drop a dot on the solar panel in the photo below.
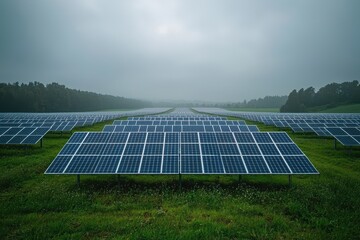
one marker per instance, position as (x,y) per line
(82,164)
(186,153)
(213,164)
(22,135)
(191,164)
(151,164)
(256,164)
(210,149)
(268,149)
(129,164)
(134,149)
(346,136)
(277,164)
(170,164)
(107,164)
(153,149)
(234,165)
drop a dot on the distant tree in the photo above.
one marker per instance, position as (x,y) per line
(293,103)
(331,95)
(35,97)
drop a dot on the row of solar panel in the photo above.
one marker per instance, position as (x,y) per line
(185,128)
(226,153)
(300,128)
(177,123)
(311,121)
(237,153)
(184,137)
(291,117)
(346,136)
(344,127)
(22,135)
(312,125)
(177,118)
(41,124)
(172,164)
(54,126)
(183,149)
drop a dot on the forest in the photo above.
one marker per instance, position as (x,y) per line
(331,95)
(265,102)
(37,97)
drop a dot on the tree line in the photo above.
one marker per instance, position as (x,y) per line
(37,97)
(265,102)
(331,95)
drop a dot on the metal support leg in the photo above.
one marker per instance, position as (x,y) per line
(118,178)
(78,180)
(180,183)
(335,143)
(41,143)
(240,177)
(290,181)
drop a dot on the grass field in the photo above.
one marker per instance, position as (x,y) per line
(38,206)
(352,108)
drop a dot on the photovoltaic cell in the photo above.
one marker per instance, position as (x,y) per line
(233,164)
(300,164)
(262,137)
(210,149)
(277,164)
(244,138)
(129,164)
(82,164)
(153,149)
(212,164)
(58,164)
(170,164)
(69,149)
(190,149)
(249,149)
(77,137)
(255,164)
(289,149)
(228,149)
(107,164)
(134,149)
(191,164)
(113,149)
(151,164)
(268,149)
(171,149)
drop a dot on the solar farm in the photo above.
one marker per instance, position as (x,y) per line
(202,173)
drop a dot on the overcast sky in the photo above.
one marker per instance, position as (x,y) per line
(183,49)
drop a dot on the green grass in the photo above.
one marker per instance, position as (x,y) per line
(351,108)
(38,206)
(254,109)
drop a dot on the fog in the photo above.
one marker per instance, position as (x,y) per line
(181,50)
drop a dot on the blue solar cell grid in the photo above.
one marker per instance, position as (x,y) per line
(187,152)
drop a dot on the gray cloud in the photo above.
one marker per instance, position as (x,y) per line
(193,50)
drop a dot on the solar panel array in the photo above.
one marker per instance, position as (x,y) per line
(318,123)
(180,128)
(29,128)
(176,122)
(346,136)
(22,135)
(185,153)
(67,121)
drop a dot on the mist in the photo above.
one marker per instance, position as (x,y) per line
(180,50)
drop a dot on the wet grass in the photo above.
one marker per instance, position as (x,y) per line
(38,206)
